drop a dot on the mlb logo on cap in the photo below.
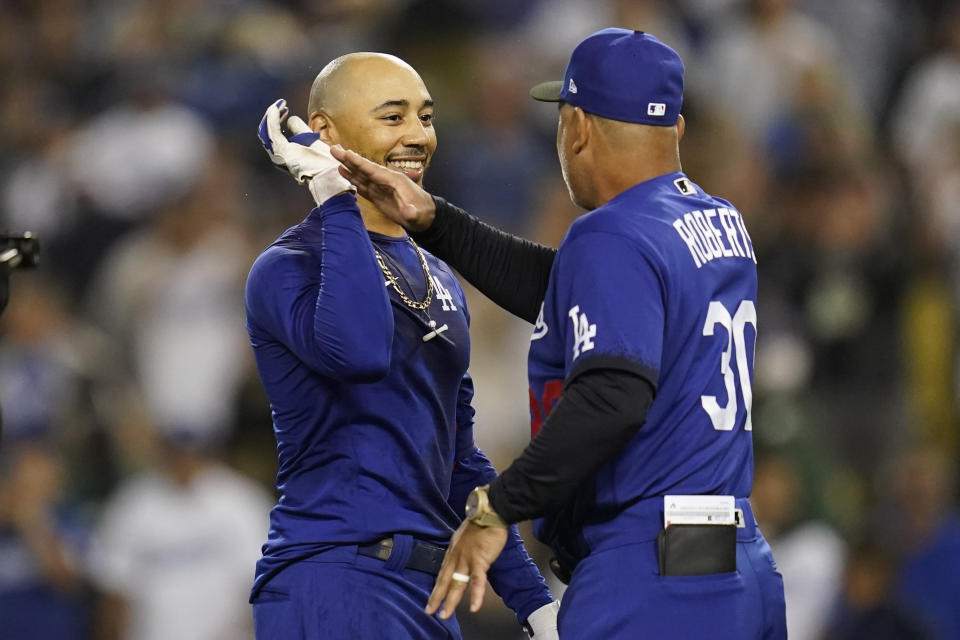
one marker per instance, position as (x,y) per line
(622,75)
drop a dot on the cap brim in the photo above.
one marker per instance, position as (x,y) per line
(547,91)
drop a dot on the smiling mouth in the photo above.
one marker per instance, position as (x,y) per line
(413,169)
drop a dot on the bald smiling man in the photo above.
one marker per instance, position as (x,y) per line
(361,340)
(377,106)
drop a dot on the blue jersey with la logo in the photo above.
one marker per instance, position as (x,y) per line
(661,281)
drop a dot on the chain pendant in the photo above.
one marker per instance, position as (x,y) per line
(392,282)
(435,330)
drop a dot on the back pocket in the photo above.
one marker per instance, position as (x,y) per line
(276,616)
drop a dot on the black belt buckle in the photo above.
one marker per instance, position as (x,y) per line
(697,549)
(424,557)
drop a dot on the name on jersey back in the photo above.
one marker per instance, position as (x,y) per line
(707,241)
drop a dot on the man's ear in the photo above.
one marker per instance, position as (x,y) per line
(582,130)
(681,127)
(322,124)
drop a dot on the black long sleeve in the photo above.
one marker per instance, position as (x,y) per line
(510,270)
(598,413)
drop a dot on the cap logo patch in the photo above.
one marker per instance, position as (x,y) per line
(572,88)
(656,109)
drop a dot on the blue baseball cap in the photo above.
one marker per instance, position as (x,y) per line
(622,75)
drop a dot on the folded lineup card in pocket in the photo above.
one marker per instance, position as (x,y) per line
(697,549)
(682,509)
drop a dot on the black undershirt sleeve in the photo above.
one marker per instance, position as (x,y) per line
(599,412)
(510,270)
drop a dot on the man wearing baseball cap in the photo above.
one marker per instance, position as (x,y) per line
(640,368)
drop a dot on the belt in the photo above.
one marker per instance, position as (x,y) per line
(424,557)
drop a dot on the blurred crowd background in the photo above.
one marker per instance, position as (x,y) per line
(137,454)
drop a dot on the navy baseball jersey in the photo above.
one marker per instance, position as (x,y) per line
(660,281)
(374,423)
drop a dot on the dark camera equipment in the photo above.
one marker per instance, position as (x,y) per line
(16,252)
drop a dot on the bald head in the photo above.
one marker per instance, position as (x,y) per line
(377,105)
(344,79)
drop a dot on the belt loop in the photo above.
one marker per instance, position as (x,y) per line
(402,546)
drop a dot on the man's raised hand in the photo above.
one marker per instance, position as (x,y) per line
(304,156)
(394,194)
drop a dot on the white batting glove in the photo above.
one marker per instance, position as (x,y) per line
(304,155)
(542,623)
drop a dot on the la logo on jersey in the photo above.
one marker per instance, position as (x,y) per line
(443,295)
(583,332)
(540,329)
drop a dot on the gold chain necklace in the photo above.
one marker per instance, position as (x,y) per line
(392,279)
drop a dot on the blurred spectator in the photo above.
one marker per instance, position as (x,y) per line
(139,154)
(37,195)
(926,526)
(171,294)
(490,162)
(173,550)
(818,127)
(809,553)
(42,594)
(926,135)
(56,371)
(868,610)
(871,37)
(44,359)
(755,61)
(557,25)
(929,103)
(831,290)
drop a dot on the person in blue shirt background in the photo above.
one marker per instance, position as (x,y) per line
(640,368)
(44,593)
(361,341)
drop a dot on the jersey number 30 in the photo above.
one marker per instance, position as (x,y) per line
(725,418)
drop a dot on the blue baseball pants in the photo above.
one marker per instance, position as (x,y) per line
(617,594)
(340,595)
